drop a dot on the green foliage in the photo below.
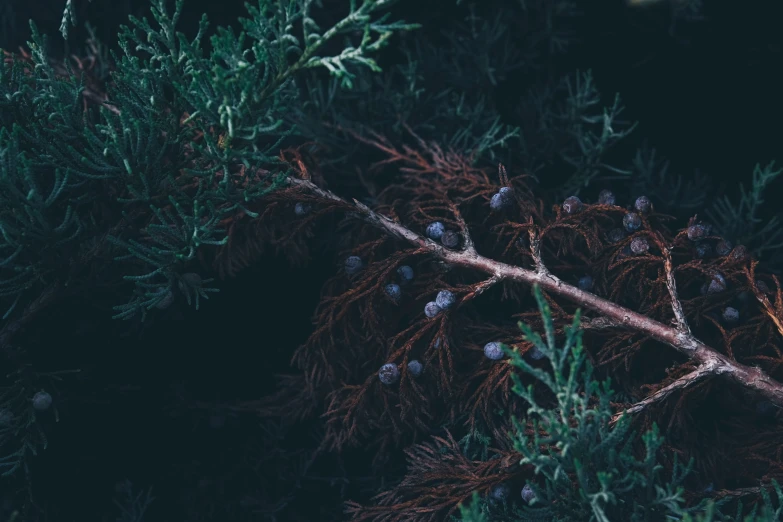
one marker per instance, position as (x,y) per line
(131,182)
(586,468)
(167,193)
(741,221)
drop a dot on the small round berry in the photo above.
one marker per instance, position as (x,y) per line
(606,197)
(301,209)
(388,374)
(431,309)
(505,191)
(762,286)
(730,315)
(445,299)
(703,250)
(353,264)
(406,274)
(739,253)
(723,248)
(643,204)
(450,239)
(528,495)
(393,291)
(493,351)
(498,202)
(697,232)
(585,283)
(42,401)
(572,205)
(716,284)
(639,245)
(616,235)
(499,492)
(435,230)
(536,354)
(632,222)
(415,367)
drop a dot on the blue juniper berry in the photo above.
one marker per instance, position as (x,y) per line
(586,283)
(639,245)
(435,230)
(450,239)
(499,493)
(42,401)
(716,284)
(493,351)
(445,299)
(388,374)
(528,495)
(632,222)
(406,274)
(643,204)
(697,232)
(730,315)
(498,202)
(353,264)
(301,209)
(606,197)
(723,248)
(415,368)
(739,253)
(762,286)
(393,291)
(431,309)
(572,205)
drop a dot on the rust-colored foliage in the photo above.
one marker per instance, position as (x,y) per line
(357,329)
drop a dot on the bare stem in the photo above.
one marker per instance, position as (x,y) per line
(703,355)
(700,373)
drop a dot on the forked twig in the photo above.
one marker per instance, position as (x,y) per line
(708,360)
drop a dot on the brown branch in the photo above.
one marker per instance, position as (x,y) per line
(700,373)
(703,355)
(671,285)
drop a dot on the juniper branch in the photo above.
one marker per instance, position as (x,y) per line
(704,356)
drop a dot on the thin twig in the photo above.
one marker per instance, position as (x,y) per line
(703,355)
(699,374)
(671,285)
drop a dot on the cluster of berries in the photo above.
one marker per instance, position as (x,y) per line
(500,493)
(494,351)
(501,200)
(437,231)
(700,232)
(444,300)
(632,220)
(390,373)
(394,290)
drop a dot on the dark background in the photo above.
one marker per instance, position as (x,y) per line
(706,95)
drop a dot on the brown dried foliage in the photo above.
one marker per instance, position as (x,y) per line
(358,329)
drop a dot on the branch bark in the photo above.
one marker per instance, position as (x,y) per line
(706,358)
